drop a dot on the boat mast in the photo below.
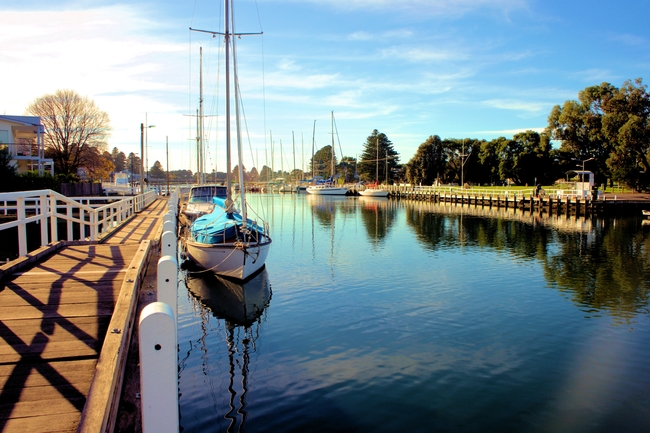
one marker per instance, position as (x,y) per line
(240,155)
(377,165)
(313,141)
(201,155)
(333,157)
(226,40)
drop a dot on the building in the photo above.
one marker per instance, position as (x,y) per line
(24,137)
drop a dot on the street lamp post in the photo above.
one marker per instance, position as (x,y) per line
(141,159)
(146,145)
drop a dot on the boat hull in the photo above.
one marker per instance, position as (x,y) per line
(320,190)
(374,192)
(232,260)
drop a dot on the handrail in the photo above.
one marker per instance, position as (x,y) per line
(47,208)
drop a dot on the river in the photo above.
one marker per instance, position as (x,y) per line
(377,315)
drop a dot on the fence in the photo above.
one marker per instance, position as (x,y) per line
(85,218)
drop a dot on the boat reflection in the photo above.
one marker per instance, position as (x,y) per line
(238,304)
(241,306)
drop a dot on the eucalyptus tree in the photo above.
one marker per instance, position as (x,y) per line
(378,155)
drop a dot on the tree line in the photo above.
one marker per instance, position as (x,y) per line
(606,131)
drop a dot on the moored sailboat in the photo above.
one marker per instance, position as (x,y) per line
(328,187)
(226,241)
(374,190)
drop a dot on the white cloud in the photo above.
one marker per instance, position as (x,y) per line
(425,7)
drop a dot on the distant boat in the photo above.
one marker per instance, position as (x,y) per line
(200,198)
(225,241)
(329,187)
(374,190)
(646,213)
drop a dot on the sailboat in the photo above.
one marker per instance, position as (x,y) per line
(374,191)
(226,241)
(328,187)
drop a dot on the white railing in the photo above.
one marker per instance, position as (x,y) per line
(93,216)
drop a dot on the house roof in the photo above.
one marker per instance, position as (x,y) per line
(32,123)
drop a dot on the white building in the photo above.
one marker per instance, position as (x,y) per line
(24,137)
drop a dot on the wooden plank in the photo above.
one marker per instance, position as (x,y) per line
(78,373)
(65,422)
(101,407)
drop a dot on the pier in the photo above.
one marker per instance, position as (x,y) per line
(67,313)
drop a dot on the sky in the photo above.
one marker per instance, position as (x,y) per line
(408,68)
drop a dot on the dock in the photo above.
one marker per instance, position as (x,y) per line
(66,315)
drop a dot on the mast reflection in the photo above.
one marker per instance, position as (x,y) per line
(241,306)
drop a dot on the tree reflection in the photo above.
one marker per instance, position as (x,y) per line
(378,216)
(602,265)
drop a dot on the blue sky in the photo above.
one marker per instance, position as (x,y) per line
(409,68)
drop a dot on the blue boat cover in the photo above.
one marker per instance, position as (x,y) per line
(216,227)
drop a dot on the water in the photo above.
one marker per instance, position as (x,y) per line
(382,316)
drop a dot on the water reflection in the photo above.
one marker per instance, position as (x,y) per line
(600,264)
(241,306)
(378,215)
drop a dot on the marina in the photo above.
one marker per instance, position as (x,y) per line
(371,314)
(387,315)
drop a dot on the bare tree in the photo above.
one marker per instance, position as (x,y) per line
(75,129)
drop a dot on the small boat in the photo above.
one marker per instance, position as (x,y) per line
(374,190)
(646,213)
(225,241)
(200,198)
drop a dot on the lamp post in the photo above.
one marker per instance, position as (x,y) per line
(141,159)
(146,144)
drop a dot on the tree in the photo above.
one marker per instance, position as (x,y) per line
(578,124)
(100,166)
(119,159)
(626,125)
(7,170)
(133,162)
(253,175)
(157,171)
(321,162)
(378,148)
(74,126)
(428,164)
(266,174)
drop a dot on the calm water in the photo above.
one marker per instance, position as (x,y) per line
(387,316)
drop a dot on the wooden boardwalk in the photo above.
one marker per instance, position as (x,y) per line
(54,319)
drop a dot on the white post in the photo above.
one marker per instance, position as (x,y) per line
(43,221)
(168,244)
(158,369)
(168,281)
(169,226)
(22,228)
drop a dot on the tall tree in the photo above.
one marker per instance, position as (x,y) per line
(157,171)
(626,125)
(322,162)
(428,164)
(119,159)
(378,148)
(74,126)
(100,166)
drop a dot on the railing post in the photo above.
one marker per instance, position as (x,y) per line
(43,221)
(22,229)
(158,369)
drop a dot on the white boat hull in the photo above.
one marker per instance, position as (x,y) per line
(326,190)
(370,192)
(232,260)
